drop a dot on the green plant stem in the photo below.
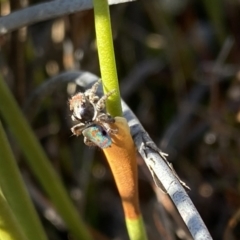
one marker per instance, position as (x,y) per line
(136,229)
(39,163)
(106,55)
(13,188)
(10,229)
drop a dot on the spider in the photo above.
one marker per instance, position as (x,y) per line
(93,121)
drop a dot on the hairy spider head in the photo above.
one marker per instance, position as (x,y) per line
(83,110)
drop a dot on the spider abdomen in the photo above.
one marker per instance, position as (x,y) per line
(98,136)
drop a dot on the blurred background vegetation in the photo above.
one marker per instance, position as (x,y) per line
(178,65)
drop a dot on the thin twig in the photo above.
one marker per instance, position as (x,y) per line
(45,11)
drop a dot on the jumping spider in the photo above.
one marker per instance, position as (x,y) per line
(93,121)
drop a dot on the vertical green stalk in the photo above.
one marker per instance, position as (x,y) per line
(106,56)
(38,162)
(15,193)
(10,229)
(136,229)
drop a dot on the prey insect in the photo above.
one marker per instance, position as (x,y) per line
(93,122)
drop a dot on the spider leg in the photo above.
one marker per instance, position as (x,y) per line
(105,117)
(100,106)
(108,128)
(91,93)
(78,128)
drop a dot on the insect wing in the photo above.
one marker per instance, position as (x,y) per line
(98,136)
